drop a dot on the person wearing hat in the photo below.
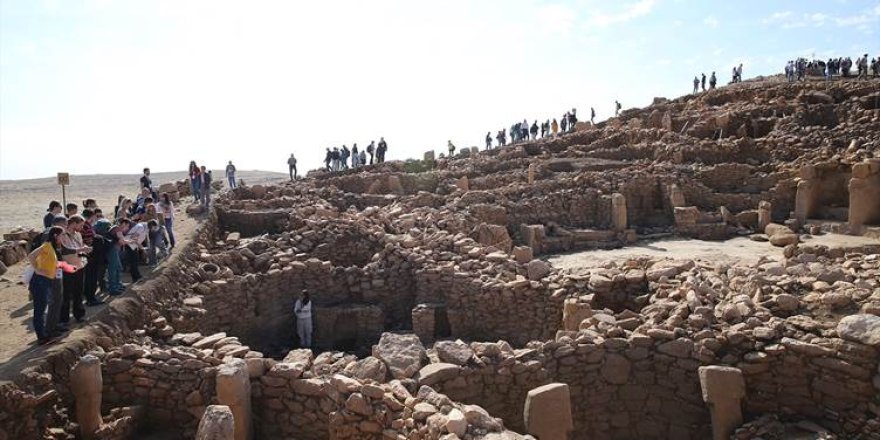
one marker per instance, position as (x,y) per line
(303,310)
(55,209)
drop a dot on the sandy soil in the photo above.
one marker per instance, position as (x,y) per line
(738,250)
(24,202)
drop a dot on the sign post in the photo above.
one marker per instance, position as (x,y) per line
(64,180)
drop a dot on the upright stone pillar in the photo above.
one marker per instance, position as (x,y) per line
(234,391)
(805,197)
(764,214)
(723,389)
(676,197)
(531,174)
(217,423)
(803,202)
(574,312)
(618,212)
(864,195)
(429,156)
(86,384)
(548,412)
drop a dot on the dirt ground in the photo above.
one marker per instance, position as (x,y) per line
(24,203)
(739,250)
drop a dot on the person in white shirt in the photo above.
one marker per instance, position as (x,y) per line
(134,240)
(303,310)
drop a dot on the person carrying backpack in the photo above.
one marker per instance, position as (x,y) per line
(370,150)
(451,148)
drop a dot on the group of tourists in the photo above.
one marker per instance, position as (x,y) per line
(338,159)
(523,131)
(83,252)
(797,70)
(200,180)
(713,80)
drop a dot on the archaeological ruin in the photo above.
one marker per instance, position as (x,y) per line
(438,315)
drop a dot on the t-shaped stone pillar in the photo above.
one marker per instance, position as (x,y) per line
(234,390)
(548,412)
(676,197)
(764,214)
(618,212)
(217,423)
(723,388)
(86,383)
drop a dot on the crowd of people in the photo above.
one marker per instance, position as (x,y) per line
(797,70)
(338,159)
(82,253)
(713,80)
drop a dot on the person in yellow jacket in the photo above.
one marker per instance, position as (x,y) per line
(44,260)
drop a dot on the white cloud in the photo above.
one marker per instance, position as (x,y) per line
(636,10)
(789,20)
(711,21)
(559,19)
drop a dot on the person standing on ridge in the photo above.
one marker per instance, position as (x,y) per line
(534,130)
(696,85)
(703,81)
(451,148)
(572,119)
(355,157)
(230,174)
(616,107)
(488,140)
(592,116)
(381,149)
(371,149)
(712,81)
(291,164)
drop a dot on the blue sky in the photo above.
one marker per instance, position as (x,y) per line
(99,86)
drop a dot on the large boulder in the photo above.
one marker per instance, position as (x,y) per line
(456,352)
(367,368)
(403,354)
(860,328)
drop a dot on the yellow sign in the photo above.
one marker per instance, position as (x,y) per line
(63,179)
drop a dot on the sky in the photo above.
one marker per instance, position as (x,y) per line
(100,86)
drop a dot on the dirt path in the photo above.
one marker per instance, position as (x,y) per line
(17,338)
(739,250)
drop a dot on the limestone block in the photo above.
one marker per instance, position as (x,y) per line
(804,201)
(523,254)
(548,412)
(573,312)
(618,212)
(531,173)
(434,373)
(394,186)
(676,197)
(764,211)
(860,328)
(234,391)
(86,384)
(463,183)
(217,423)
(429,156)
(404,355)
(723,388)
(686,216)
